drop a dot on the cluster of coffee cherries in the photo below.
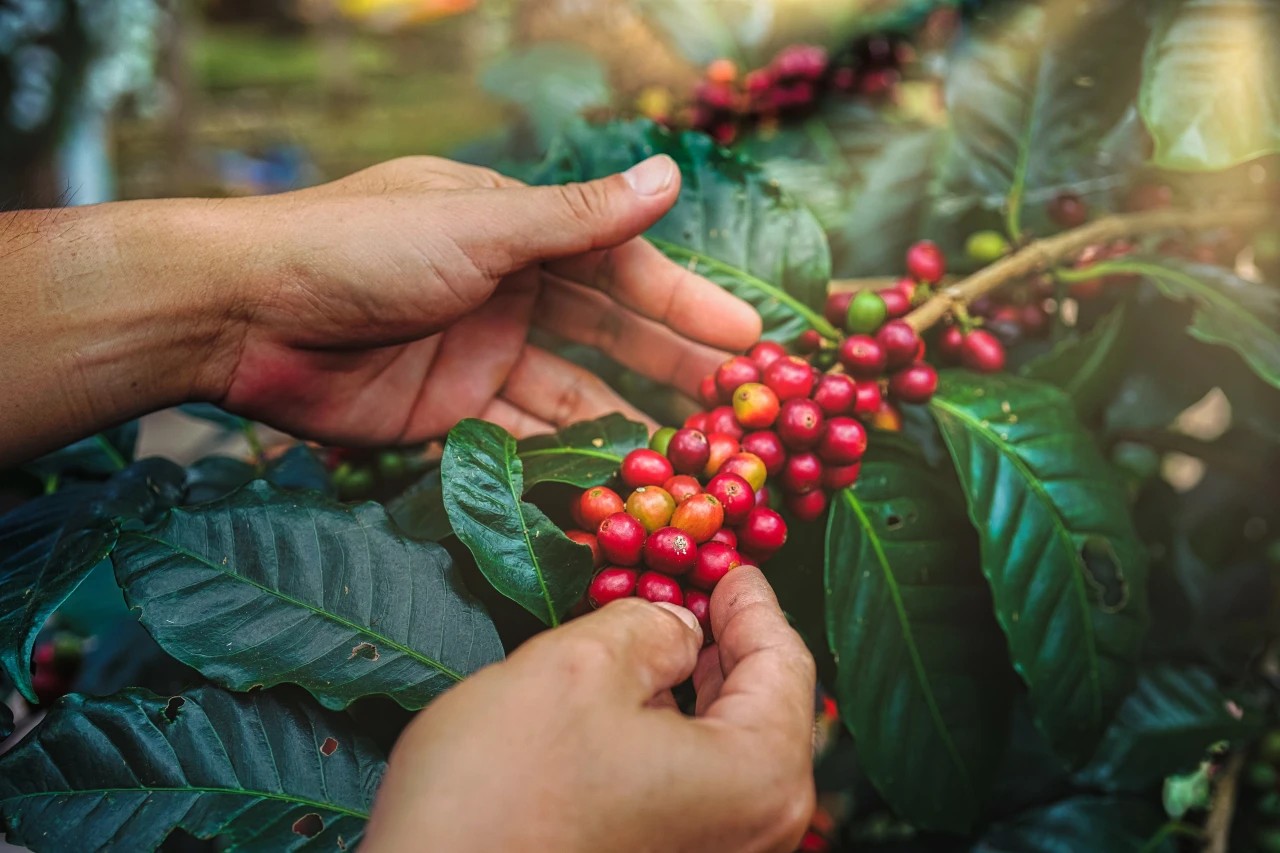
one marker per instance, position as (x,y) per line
(55,662)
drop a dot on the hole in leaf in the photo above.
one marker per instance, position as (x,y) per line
(368,651)
(893,521)
(1104,574)
(329,747)
(342,843)
(172,707)
(309,825)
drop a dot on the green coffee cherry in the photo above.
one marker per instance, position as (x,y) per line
(391,464)
(867,312)
(986,246)
(662,439)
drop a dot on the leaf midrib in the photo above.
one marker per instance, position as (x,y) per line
(194,789)
(511,453)
(569,451)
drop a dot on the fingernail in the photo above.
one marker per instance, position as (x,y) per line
(651,176)
(683,614)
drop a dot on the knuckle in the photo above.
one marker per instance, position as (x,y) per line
(569,400)
(584,202)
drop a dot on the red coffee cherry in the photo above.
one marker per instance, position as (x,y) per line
(899,342)
(868,399)
(722,447)
(722,420)
(896,302)
(950,344)
(766,353)
(790,378)
(688,451)
(651,506)
(610,585)
(837,308)
(748,466)
(1034,320)
(655,586)
(768,447)
(763,496)
(887,418)
(808,506)
(621,539)
(836,477)
(803,473)
(714,562)
(835,393)
(699,604)
(735,494)
(908,286)
(800,424)
(1068,210)
(738,370)
(681,487)
(763,533)
(594,506)
(843,443)
(808,341)
(862,357)
(982,352)
(645,467)
(696,421)
(755,405)
(925,262)
(670,551)
(700,516)
(725,536)
(582,537)
(914,384)
(709,392)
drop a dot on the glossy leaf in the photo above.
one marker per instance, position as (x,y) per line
(98,455)
(551,83)
(521,552)
(922,682)
(419,510)
(1082,823)
(1088,367)
(214,477)
(1206,96)
(730,224)
(267,587)
(1065,565)
(266,771)
(584,454)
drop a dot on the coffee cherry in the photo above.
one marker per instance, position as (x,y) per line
(899,342)
(866,312)
(696,421)
(655,586)
(887,418)
(836,477)
(908,286)
(645,467)
(763,496)
(1034,321)
(1149,197)
(896,302)
(843,443)
(689,451)
(867,399)
(671,551)
(763,533)
(582,537)
(808,506)
(755,405)
(610,585)
(837,308)
(722,447)
(914,384)
(951,344)
(594,506)
(835,394)
(789,378)
(661,440)
(621,537)
(800,424)
(768,447)
(709,392)
(1068,210)
(862,357)
(651,506)
(681,487)
(725,536)
(803,473)
(925,262)
(700,516)
(766,353)
(738,370)
(735,494)
(722,419)
(723,71)
(808,341)
(986,246)
(699,604)
(714,562)
(982,352)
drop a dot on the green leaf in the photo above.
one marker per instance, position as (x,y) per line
(419,510)
(99,455)
(730,223)
(583,454)
(922,682)
(1088,367)
(266,587)
(1165,727)
(552,83)
(215,477)
(1078,824)
(266,771)
(1066,567)
(1206,95)
(51,544)
(521,552)
(6,721)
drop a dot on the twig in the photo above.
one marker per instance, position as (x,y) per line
(1217,829)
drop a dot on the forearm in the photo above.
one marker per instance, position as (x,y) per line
(109,312)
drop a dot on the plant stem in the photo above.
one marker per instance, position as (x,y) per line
(1042,255)
(1217,828)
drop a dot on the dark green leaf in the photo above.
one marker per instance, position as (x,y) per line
(584,454)
(1066,567)
(215,477)
(212,414)
(267,587)
(6,720)
(922,682)
(266,771)
(522,553)
(299,468)
(730,224)
(552,83)
(1079,824)
(1207,95)
(419,511)
(100,455)
(1088,367)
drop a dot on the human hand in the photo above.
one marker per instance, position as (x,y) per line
(574,744)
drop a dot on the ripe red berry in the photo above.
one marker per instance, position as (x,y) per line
(645,467)
(688,451)
(1068,210)
(763,533)
(651,506)
(837,308)
(725,536)
(1034,320)
(655,586)
(755,405)
(899,342)
(722,419)
(896,302)
(762,496)
(914,384)
(925,262)
(766,353)
(950,344)
(582,537)
(800,424)
(748,466)
(768,447)
(835,393)
(621,537)
(610,585)
(790,378)
(681,487)
(803,473)
(709,392)
(671,551)
(982,352)
(697,421)
(808,341)
(868,399)
(714,562)
(862,357)
(908,286)
(700,516)
(887,418)
(738,370)
(722,447)
(836,477)
(808,506)
(699,604)
(594,506)
(843,443)
(735,494)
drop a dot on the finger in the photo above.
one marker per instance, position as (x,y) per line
(665,700)
(640,277)
(515,421)
(708,678)
(589,317)
(560,392)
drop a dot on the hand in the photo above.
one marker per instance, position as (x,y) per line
(573,743)
(399,300)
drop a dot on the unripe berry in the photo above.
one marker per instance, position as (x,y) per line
(837,308)
(836,477)
(835,393)
(899,342)
(582,537)
(655,586)
(688,451)
(925,262)
(808,341)
(982,352)
(843,443)
(714,562)
(748,466)
(790,378)
(766,353)
(862,357)
(768,447)
(651,506)
(709,392)
(1068,210)
(594,506)
(671,551)
(986,246)
(866,312)
(661,440)
(611,584)
(725,536)
(808,506)
(800,424)
(803,473)
(763,533)
(681,487)
(755,405)
(696,421)
(621,537)
(699,604)
(738,370)
(887,418)
(722,447)
(735,494)
(914,384)
(896,302)
(951,344)
(700,516)
(722,419)
(868,399)
(645,467)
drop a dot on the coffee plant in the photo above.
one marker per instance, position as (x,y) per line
(1008,451)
